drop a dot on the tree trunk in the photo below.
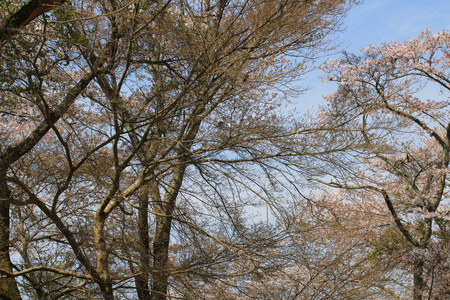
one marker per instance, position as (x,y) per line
(418,279)
(107,291)
(161,258)
(142,286)
(164,210)
(8,286)
(104,279)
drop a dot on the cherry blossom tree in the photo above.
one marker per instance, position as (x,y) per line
(126,124)
(25,121)
(391,106)
(327,250)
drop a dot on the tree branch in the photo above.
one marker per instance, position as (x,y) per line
(397,220)
(25,15)
(44,268)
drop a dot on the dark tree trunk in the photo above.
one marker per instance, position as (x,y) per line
(142,285)
(107,291)
(164,210)
(161,253)
(8,286)
(418,279)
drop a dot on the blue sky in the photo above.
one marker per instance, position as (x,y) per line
(377,21)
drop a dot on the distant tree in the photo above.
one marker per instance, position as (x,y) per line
(400,151)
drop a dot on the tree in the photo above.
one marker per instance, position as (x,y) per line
(115,108)
(15,146)
(400,152)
